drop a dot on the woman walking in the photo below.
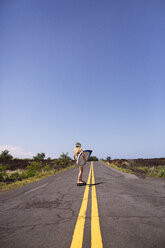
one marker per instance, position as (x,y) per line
(77,151)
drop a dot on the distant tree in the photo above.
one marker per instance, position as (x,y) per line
(39,156)
(64,156)
(93,158)
(108,158)
(5,155)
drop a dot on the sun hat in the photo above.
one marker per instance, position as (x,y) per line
(78,144)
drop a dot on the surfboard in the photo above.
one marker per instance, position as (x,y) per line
(87,154)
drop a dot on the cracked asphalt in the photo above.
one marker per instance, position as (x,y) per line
(43,214)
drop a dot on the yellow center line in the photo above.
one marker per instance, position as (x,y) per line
(77,239)
(96,239)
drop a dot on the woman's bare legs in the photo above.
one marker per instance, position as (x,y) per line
(80,174)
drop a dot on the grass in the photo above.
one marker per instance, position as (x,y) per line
(40,175)
(158,171)
(144,169)
(118,168)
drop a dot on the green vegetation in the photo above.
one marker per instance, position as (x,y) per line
(120,168)
(31,170)
(47,167)
(43,174)
(158,172)
(65,157)
(93,158)
(39,156)
(132,167)
(14,176)
(64,160)
(108,159)
(5,155)
(143,169)
(3,173)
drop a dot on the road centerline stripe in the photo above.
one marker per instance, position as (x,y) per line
(77,240)
(96,238)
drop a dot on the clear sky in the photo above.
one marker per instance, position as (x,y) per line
(89,71)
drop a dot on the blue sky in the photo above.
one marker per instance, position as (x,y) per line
(86,71)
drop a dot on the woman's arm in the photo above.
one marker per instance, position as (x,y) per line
(74,154)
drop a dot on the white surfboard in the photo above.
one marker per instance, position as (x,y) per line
(87,154)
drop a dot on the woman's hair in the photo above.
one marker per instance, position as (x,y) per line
(78,144)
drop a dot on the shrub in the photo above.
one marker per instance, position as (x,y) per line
(14,176)
(26,174)
(62,161)
(47,167)
(35,165)
(3,168)
(59,163)
(30,173)
(143,169)
(5,155)
(93,158)
(32,169)
(3,173)
(64,156)
(108,158)
(161,172)
(39,156)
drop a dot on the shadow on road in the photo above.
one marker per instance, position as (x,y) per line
(93,184)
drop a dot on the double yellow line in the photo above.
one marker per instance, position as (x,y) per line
(96,239)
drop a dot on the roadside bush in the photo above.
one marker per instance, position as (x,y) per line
(39,156)
(93,158)
(32,169)
(161,172)
(64,156)
(63,161)
(25,175)
(3,173)
(31,172)
(5,155)
(158,172)
(108,159)
(143,169)
(35,165)
(14,176)
(47,167)
(59,163)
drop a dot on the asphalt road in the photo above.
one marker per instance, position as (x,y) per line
(131,211)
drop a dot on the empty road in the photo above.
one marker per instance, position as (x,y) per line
(114,210)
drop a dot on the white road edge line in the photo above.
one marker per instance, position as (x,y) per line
(36,188)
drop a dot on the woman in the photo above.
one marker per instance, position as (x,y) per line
(77,151)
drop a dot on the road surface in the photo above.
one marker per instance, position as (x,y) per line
(115,209)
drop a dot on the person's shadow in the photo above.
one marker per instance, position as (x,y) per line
(94,184)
